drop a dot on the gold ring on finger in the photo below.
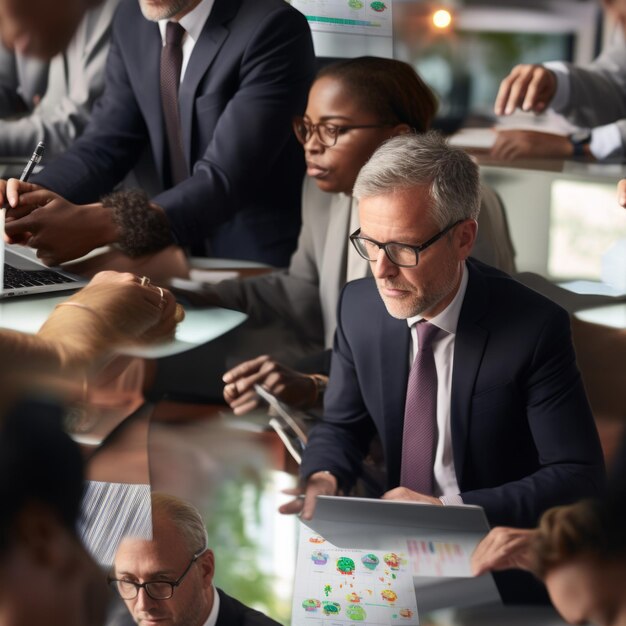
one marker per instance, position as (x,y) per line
(162,301)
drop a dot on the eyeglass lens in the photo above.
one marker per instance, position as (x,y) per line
(156,590)
(397,253)
(326,133)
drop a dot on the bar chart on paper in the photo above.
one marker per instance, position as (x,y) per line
(440,558)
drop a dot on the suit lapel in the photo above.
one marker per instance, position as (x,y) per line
(395,338)
(469,346)
(210,41)
(225,616)
(145,43)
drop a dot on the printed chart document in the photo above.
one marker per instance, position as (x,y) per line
(341,585)
(436,542)
(347,28)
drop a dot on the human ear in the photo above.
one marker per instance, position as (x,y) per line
(207,567)
(465,237)
(401,129)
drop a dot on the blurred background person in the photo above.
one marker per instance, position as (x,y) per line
(579,551)
(46,575)
(40,28)
(56,106)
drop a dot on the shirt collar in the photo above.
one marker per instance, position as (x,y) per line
(212,619)
(448,319)
(193,22)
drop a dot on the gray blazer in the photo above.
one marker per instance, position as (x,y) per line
(75,80)
(305,296)
(598,91)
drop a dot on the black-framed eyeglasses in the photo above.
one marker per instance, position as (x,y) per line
(157,589)
(327,133)
(400,254)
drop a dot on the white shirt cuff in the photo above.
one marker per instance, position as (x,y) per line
(606,141)
(561,96)
(453,500)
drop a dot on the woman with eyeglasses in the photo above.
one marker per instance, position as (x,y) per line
(353,107)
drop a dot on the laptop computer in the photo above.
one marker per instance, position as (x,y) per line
(22,274)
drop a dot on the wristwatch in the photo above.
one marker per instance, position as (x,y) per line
(580,141)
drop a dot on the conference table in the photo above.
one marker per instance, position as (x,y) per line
(200,325)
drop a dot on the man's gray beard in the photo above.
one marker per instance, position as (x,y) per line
(165,12)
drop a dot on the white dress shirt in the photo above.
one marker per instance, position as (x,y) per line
(215,609)
(193,23)
(445,483)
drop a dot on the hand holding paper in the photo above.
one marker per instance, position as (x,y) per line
(318,484)
(503,548)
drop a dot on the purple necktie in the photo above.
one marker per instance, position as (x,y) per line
(171,64)
(419,438)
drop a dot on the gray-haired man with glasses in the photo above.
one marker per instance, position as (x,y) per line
(468,377)
(169,579)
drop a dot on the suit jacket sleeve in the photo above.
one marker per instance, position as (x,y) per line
(598,90)
(569,457)
(252,131)
(341,440)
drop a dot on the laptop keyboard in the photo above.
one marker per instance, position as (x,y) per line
(15,278)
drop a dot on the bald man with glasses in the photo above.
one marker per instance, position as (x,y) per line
(169,580)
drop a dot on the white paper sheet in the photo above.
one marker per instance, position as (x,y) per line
(337,586)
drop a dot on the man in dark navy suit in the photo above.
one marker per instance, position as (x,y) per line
(490,410)
(228,165)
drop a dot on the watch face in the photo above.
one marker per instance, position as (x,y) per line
(580,137)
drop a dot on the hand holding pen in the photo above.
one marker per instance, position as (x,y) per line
(11,191)
(25,175)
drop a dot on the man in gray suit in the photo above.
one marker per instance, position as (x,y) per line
(58,114)
(592,97)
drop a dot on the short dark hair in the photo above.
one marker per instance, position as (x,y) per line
(390,89)
(39,464)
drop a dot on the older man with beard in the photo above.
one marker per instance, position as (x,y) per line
(210,87)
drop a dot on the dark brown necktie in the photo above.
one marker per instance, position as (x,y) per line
(171,63)
(419,438)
